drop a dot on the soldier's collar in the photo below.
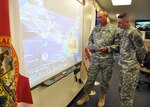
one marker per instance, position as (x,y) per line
(106,25)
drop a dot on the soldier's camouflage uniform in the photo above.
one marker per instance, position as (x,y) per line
(102,61)
(132,52)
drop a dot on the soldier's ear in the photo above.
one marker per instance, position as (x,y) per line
(128,21)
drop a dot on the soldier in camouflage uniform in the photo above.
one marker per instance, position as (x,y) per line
(103,37)
(132,52)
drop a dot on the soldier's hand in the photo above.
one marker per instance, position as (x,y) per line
(141,65)
(103,49)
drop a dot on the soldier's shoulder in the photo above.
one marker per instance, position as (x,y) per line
(113,29)
(112,26)
(136,35)
(96,27)
(136,32)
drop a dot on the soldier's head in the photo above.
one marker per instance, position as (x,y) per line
(123,20)
(102,17)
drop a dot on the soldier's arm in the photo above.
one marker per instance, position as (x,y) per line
(116,40)
(90,39)
(139,45)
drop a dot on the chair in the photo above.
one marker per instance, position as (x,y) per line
(146,81)
(145,71)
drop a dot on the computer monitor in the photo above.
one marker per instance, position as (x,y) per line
(142,25)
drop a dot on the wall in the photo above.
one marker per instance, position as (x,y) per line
(89,23)
(147,45)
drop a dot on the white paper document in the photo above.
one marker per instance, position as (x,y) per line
(93,47)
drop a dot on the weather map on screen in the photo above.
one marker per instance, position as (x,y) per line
(52,41)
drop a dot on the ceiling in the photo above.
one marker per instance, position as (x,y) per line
(138,10)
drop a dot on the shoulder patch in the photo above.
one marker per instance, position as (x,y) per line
(139,42)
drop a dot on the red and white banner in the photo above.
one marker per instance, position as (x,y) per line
(14,84)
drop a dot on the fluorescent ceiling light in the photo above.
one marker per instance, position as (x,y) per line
(121,2)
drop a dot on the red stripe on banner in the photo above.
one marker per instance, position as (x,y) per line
(4,18)
(87,54)
(23,90)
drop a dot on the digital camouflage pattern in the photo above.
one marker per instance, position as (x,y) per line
(102,61)
(105,36)
(132,52)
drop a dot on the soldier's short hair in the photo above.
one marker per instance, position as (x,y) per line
(105,12)
(124,15)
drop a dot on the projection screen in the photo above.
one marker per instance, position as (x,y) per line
(52,36)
